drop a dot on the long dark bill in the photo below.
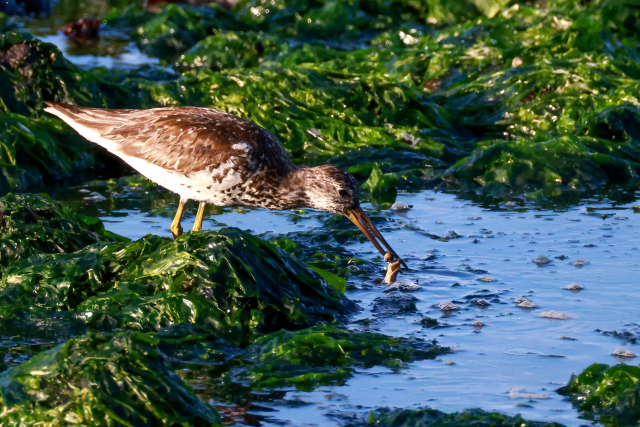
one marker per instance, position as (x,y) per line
(362,221)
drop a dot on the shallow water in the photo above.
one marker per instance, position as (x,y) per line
(113,49)
(516,361)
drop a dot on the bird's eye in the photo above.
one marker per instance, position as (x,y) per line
(343,193)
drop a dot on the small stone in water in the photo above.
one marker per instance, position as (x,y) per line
(525,303)
(623,352)
(402,285)
(447,306)
(553,314)
(83,190)
(511,204)
(400,206)
(573,287)
(95,197)
(480,302)
(477,324)
(450,363)
(579,263)
(542,260)
(486,279)
(520,393)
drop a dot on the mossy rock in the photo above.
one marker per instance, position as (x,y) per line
(325,355)
(608,394)
(431,417)
(32,72)
(97,380)
(226,280)
(34,224)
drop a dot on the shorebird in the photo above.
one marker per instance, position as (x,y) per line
(217,158)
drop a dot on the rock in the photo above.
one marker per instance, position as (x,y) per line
(400,206)
(520,393)
(97,377)
(477,324)
(623,352)
(573,287)
(554,315)
(486,279)
(447,306)
(402,285)
(481,302)
(525,303)
(579,263)
(542,260)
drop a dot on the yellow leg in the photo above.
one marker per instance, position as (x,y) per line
(197,226)
(176,228)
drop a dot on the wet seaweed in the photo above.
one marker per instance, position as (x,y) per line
(608,394)
(31,225)
(97,380)
(227,280)
(424,417)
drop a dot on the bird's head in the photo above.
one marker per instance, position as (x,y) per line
(331,189)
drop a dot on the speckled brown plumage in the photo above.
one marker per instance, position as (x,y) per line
(218,158)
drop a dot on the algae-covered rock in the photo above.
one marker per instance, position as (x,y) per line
(227,280)
(32,72)
(610,394)
(229,50)
(34,152)
(38,150)
(431,417)
(324,355)
(96,380)
(34,224)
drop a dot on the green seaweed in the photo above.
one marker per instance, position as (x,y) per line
(502,98)
(32,72)
(227,280)
(34,224)
(430,417)
(37,151)
(324,355)
(98,380)
(608,394)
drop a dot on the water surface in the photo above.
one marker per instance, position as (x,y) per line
(512,364)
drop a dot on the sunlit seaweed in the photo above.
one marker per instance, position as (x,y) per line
(608,394)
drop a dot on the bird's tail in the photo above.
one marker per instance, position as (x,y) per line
(91,123)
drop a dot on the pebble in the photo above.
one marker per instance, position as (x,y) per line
(477,324)
(95,197)
(579,263)
(83,190)
(447,306)
(573,287)
(520,393)
(511,204)
(623,352)
(525,303)
(553,314)
(402,285)
(486,279)
(450,363)
(399,206)
(481,302)
(542,260)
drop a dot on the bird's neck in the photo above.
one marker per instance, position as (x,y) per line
(291,192)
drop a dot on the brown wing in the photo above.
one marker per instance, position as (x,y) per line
(185,139)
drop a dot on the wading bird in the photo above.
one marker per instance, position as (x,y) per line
(218,158)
